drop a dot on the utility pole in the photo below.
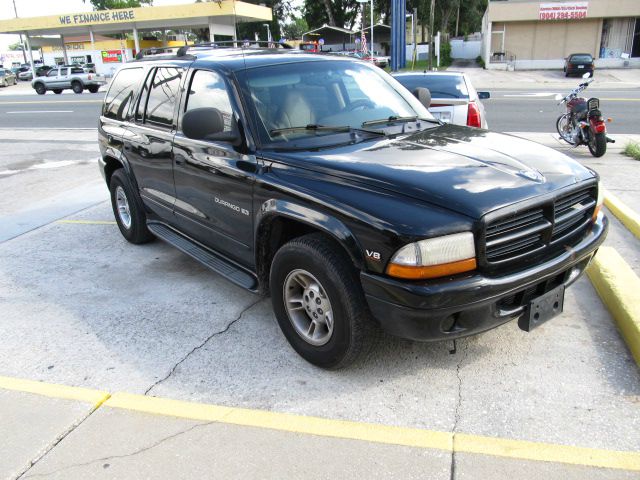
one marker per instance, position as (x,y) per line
(431,14)
(24,54)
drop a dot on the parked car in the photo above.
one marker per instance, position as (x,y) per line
(453,98)
(377,60)
(323,182)
(25,75)
(63,78)
(16,71)
(579,64)
(7,77)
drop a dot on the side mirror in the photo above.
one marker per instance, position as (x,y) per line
(484,95)
(208,124)
(424,95)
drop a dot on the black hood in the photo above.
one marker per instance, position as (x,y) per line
(471,171)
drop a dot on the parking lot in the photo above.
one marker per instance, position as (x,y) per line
(82,307)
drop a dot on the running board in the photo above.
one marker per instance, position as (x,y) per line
(205,256)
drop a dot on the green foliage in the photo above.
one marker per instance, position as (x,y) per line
(295,29)
(343,12)
(445,54)
(480,61)
(114,4)
(632,150)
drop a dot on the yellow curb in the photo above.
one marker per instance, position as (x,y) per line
(87,222)
(95,397)
(628,217)
(619,288)
(408,437)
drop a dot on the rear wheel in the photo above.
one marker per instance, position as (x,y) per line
(40,88)
(319,303)
(598,144)
(128,209)
(94,89)
(76,87)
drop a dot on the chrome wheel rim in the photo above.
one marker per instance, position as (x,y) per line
(308,307)
(123,207)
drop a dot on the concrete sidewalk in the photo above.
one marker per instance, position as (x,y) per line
(74,439)
(536,79)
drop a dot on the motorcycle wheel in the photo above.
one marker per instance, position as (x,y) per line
(598,144)
(563,127)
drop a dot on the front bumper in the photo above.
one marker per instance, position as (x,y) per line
(454,307)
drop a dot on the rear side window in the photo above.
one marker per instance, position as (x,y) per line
(208,89)
(77,70)
(440,86)
(121,93)
(163,96)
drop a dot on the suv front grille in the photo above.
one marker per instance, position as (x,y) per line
(522,233)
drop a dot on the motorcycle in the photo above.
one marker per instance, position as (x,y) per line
(583,123)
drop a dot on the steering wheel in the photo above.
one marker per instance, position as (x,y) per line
(362,103)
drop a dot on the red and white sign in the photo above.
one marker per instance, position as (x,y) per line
(563,11)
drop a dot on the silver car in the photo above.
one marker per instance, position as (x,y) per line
(453,98)
(7,77)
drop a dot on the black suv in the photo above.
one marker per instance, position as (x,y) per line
(325,183)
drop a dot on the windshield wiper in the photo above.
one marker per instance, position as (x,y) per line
(391,119)
(311,128)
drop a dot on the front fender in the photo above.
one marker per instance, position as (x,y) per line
(273,208)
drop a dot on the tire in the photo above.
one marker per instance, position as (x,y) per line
(57,91)
(76,87)
(598,144)
(94,89)
(343,325)
(128,209)
(560,122)
(40,88)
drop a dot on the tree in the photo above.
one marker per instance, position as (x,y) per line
(337,13)
(114,4)
(295,28)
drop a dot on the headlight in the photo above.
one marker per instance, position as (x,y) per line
(434,257)
(599,201)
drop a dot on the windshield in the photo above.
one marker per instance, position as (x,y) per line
(440,86)
(296,101)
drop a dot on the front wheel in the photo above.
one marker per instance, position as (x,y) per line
(57,91)
(94,89)
(598,144)
(128,209)
(40,89)
(319,303)
(76,87)
(563,126)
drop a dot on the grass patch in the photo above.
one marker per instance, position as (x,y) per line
(632,150)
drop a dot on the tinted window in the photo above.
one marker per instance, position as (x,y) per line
(121,93)
(77,70)
(53,73)
(209,90)
(163,96)
(2,72)
(440,86)
(581,58)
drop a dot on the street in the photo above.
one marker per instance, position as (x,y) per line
(523,110)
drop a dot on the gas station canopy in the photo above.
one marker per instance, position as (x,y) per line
(196,15)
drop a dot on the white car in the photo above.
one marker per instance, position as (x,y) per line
(453,98)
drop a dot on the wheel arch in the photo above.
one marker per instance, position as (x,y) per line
(280,221)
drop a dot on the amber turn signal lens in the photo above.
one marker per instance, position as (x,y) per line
(411,272)
(596,212)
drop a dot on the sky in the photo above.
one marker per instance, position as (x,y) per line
(36,8)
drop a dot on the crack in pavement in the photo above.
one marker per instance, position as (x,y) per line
(456,417)
(198,347)
(126,455)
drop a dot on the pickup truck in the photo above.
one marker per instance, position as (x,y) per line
(64,78)
(323,182)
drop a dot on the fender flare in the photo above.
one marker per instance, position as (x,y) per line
(321,221)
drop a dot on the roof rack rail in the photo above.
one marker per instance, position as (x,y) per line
(157,51)
(235,44)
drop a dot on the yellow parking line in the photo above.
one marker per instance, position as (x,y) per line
(409,437)
(619,287)
(88,222)
(368,432)
(95,397)
(626,215)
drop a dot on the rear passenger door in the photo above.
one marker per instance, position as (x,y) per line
(213,180)
(148,139)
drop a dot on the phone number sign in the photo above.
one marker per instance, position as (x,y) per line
(563,11)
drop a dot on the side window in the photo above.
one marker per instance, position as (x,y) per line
(121,93)
(163,96)
(142,99)
(53,73)
(208,89)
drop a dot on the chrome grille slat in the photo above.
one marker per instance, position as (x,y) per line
(519,234)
